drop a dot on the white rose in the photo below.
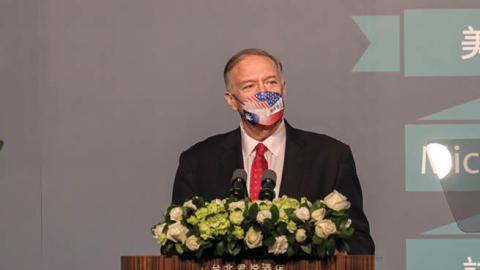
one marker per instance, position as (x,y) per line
(266,202)
(177,232)
(236,217)
(302,213)
(158,230)
(234,205)
(336,201)
(189,204)
(305,200)
(318,214)
(301,235)
(176,214)
(192,243)
(218,201)
(253,238)
(280,246)
(324,228)
(262,215)
(348,224)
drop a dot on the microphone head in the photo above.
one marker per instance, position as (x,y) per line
(268,182)
(1,144)
(269,174)
(239,173)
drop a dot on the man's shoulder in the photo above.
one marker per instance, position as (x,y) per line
(213,143)
(319,141)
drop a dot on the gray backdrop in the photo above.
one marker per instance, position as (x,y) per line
(99,97)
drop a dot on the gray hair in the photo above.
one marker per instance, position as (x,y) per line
(247,52)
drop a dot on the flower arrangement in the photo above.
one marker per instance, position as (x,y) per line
(285,227)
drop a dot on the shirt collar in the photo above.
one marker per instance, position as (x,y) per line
(274,142)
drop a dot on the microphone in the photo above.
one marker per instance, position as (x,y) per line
(269,179)
(239,184)
(1,145)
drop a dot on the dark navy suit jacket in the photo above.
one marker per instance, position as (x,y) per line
(314,166)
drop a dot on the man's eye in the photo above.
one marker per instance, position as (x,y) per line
(272,82)
(248,86)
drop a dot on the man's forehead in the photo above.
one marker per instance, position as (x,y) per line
(254,66)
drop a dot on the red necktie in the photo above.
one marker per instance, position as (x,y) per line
(259,165)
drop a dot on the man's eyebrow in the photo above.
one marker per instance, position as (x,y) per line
(246,81)
(253,80)
(270,76)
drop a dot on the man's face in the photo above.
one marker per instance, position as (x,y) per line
(251,75)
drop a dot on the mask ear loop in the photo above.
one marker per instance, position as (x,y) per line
(242,114)
(235,97)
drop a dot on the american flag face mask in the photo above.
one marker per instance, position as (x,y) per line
(264,108)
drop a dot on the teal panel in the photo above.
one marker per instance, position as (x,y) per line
(418,136)
(441,254)
(433,42)
(466,111)
(383,53)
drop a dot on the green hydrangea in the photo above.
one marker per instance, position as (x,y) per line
(236,217)
(212,220)
(238,232)
(205,231)
(211,208)
(304,200)
(215,206)
(201,214)
(162,239)
(283,203)
(263,206)
(193,220)
(214,226)
(291,226)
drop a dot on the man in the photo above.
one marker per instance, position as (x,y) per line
(307,164)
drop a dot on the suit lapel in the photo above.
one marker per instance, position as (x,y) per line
(293,166)
(231,158)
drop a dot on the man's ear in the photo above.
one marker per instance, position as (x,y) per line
(230,101)
(284,89)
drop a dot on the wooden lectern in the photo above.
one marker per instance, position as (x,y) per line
(343,262)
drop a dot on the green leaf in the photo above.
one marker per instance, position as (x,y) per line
(342,246)
(282,228)
(317,240)
(269,241)
(231,248)
(178,248)
(330,246)
(199,253)
(307,248)
(207,245)
(291,239)
(252,213)
(236,251)
(320,250)
(231,245)
(290,251)
(169,248)
(268,225)
(220,248)
(198,201)
(347,233)
(339,214)
(289,212)
(275,213)
(317,205)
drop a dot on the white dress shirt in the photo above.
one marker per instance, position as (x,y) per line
(275,154)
